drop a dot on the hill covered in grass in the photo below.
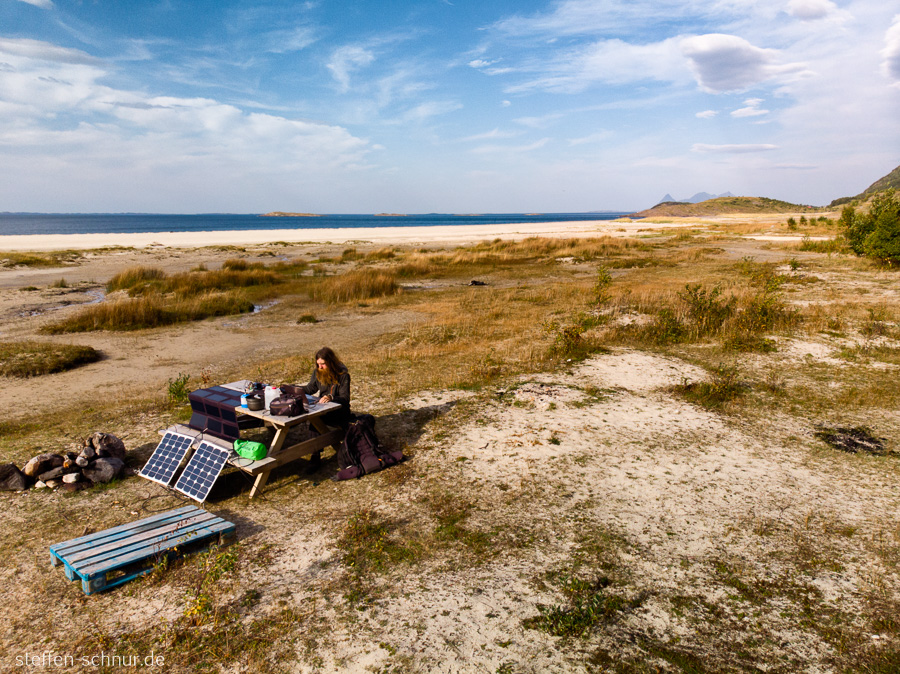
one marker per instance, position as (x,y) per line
(721,206)
(891,180)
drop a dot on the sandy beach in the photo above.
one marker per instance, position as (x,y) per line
(453,234)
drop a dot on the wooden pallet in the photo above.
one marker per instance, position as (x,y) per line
(115,556)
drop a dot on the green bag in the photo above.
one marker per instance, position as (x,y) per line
(250,449)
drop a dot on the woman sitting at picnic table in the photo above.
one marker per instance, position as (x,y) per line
(330,380)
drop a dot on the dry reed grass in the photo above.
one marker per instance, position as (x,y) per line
(150,311)
(356,285)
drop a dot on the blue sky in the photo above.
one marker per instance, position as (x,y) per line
(457,106)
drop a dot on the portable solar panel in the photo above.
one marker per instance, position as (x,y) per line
(213,411)
(202,471)
(166,458)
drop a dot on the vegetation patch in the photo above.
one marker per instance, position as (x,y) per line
(724,387)
(32,359)
(852,439)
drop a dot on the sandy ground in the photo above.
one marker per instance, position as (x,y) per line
(458,234)
(603,447)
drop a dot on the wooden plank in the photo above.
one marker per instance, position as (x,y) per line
(129,550)
(164,544)
(111,534)
(141,538)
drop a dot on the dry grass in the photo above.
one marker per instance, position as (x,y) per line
(356,285)
(150,311)
(32,359)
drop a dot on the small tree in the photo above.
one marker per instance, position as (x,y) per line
(875,234)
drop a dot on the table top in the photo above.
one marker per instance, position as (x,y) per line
(315,409)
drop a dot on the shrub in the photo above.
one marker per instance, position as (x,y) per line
(875,234)
(722,388)
(706,307)
(177,389)
(32,359)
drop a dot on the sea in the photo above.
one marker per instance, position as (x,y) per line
(130,223)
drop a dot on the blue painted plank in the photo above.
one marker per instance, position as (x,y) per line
(124,530)
(85,551)
(141,549)
(128,526)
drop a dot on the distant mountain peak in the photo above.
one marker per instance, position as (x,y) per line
(696,199)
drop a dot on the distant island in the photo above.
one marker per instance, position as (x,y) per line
(390,215)
(281,214)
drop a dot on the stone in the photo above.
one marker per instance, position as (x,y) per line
(52,474)
(53,484)
(88,453)
(71,478)
(11,478)
(103,469)
(75,486)
(82,461)
(69,462)
(42,463)
(70,456)
(108,444)
(40,485)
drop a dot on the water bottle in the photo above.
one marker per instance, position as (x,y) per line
(272,392)
(244,401)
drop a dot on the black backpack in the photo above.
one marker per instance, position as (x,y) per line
(361,451)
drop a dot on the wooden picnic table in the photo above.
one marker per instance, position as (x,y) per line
(278,454)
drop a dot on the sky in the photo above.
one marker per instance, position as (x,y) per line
(450,106)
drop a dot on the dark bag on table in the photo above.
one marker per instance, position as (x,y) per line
(287,406)
(361,451)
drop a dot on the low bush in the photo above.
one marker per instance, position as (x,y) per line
(723,387)
(32,359)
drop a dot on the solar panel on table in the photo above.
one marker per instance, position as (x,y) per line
(202,471)
(166,457)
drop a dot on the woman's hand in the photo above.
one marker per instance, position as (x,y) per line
(325,399)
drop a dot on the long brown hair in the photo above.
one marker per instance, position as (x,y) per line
(333,366)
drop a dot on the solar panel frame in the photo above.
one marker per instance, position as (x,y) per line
(167,457)
(202,471)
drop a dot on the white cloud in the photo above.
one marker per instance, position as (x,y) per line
(891,51)
(47,86)
(733,149)
(505,104)
(347,59)
(728,62)
(810,10)
(510,149)
(43,4)
(489,135)
(609,61)
(707,114)
(540,122)
(428,109)
(579,17)
(751,109)
(44,51)
(592,138)
(480,63)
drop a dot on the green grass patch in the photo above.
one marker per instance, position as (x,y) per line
(32,359)
(724,387)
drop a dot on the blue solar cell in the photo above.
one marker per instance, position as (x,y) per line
(202,471)
(166,458)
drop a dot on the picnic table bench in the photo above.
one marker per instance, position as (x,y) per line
(279,452)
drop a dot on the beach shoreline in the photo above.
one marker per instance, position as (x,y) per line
(457,234)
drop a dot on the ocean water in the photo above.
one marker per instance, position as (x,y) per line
(128,223)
